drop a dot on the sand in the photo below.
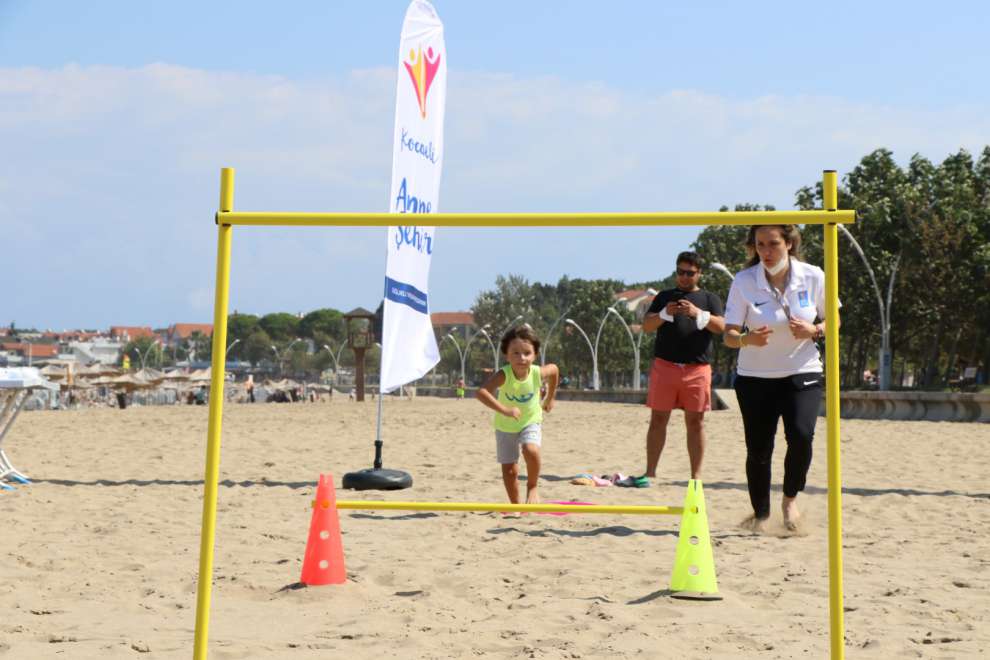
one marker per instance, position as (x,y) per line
(99,557)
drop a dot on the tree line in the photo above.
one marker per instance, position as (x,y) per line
(924,229)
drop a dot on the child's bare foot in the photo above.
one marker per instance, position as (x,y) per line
(792,517)
(532,497)
(753,524)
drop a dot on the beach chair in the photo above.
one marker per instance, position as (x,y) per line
(16,386)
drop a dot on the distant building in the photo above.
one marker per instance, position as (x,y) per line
(103,351)
(27,353)
(180,332)
(66,336)
(457,322)
(126,333)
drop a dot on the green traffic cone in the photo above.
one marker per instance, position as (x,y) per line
(694,566)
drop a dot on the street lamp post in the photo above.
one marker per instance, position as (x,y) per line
(464,353)
(492,344)
(278,356)
(236,341)
(635,346)
(546,343)
(598,337)
(885,365)
(335,358)
(144,357)
(460,353)
(722,269)
(594,353)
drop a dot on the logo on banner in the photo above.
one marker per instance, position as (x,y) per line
(422,70)
(405,294)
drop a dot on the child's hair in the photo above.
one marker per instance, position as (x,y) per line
(523,332)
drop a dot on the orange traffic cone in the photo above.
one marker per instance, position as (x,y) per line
(324,559)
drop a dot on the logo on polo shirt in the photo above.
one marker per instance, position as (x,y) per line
(758,304)
(803,298)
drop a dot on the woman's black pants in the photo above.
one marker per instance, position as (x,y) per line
(762,402)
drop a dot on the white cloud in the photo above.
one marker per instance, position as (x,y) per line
(111,175)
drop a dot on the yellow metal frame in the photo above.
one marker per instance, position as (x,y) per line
(501,507)
(226,218)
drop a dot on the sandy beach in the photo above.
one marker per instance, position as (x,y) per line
(99,556)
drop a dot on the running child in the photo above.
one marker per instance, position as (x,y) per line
(514,394)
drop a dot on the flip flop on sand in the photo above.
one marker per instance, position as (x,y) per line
(633,482)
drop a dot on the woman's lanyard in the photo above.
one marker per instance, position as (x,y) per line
(781,298)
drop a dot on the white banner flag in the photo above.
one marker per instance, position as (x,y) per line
(409,347)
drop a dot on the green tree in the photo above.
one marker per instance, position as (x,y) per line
(200,346)
(239,328)
(258,347)
(328,323)
(280,326)
(147,347)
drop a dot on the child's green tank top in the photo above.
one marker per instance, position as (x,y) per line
(522,394)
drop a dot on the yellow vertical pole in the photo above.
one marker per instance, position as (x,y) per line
(830,199)
(218,369)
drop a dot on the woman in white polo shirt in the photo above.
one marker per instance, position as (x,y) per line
(774,315)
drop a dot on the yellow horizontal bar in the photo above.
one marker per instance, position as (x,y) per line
(264,219)
(508,508)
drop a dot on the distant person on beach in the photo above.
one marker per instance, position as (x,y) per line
(774,315)
(513,393)
(685,319)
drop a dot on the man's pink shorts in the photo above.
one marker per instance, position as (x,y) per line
(686,386)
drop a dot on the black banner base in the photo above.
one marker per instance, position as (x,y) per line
(372,479)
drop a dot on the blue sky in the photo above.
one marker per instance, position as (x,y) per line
(115,118)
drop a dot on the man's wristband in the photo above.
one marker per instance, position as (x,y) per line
(742,335)
(819,331)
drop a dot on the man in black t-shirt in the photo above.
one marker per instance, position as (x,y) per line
(681,377)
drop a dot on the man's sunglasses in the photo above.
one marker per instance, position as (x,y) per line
(687,273)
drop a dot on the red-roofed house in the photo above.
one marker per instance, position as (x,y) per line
(444,322)
(71,335)
(180,332)
(31,351)
(127,333)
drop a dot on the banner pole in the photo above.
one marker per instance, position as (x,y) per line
(218,368)
(378,431)
(830,202)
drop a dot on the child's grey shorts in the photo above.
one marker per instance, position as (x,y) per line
(507,443)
